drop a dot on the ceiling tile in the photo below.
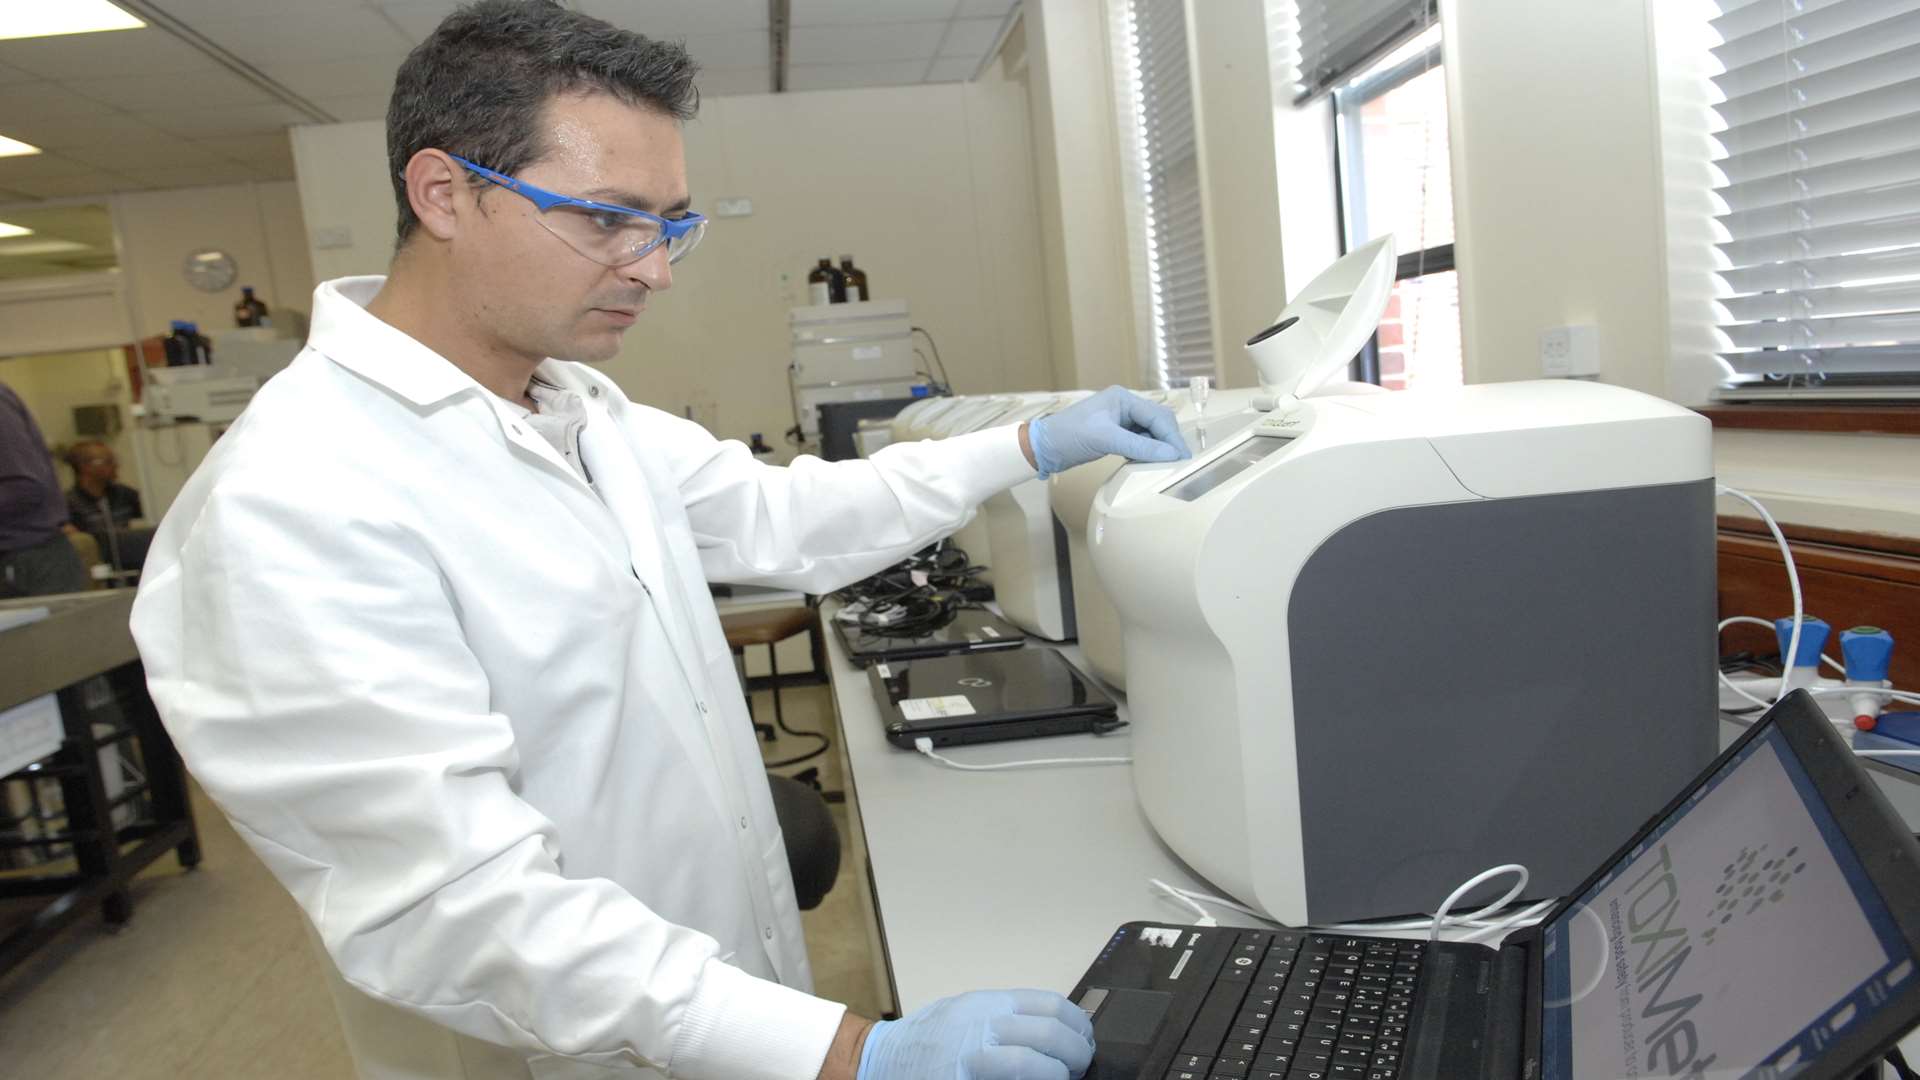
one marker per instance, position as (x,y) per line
(848,76)
(102,125)
(741,48)
(969,9)
(15,75)
(308,36)
(970,37)
(362,76)
(38,99)
(181,90)
(246,148)
(240,120)
(212,172)
(167,151)
(195,13)
(361,107)
(953,69)
(117,52)
(417,18)
(865,12)
(719,82)
(864,44)
(675,18)
(86,183)
(15,171)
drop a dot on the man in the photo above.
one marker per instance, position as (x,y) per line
(36,558)
(431,622)
(99,505)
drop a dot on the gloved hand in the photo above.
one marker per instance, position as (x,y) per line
(1110,422)
(985,1035)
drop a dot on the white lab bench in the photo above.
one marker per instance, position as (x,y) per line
(1016,878)
(998,879)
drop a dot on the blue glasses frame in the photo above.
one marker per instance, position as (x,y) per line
(672,230)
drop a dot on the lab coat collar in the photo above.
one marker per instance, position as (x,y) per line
(381,353)
(377,351)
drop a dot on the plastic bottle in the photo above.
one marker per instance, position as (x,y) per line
(249,310)
(856,279)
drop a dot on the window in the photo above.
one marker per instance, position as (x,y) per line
(1818,198)
(1167,242)
(1395,177)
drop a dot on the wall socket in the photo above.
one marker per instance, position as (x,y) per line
(1570,351)
(330,237)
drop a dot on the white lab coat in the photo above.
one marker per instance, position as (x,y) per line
(481,721)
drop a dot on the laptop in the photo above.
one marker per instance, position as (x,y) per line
(972,630)
(1766,923)
(987,697)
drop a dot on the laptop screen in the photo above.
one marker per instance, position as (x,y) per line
(1741,933)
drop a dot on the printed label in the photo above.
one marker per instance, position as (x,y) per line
(936,708)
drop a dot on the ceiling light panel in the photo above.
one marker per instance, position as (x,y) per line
(22,19)
(16,148)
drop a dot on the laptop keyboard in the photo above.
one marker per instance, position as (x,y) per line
(1295,1005)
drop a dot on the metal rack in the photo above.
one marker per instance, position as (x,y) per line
(84,652)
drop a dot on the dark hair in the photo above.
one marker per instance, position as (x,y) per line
(479,83)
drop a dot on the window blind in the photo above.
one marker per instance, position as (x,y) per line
(1821,199)
(1332,39)
(1156,103)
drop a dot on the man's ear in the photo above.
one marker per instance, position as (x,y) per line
(433,183)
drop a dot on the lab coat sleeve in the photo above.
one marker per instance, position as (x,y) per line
(313,673)
(817,525)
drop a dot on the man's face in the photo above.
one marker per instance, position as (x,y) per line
(526,286)
(97,464)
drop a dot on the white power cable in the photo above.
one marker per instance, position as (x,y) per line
(1520,872)
(1793,580)
(1476,923)
(925,746)
(1181,895)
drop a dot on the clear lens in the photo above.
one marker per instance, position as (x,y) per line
(605,237)
(678,249)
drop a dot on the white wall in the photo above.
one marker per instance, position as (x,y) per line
(929,187)
(1556,181)
(1239,176)
(1082,218)
(259,224)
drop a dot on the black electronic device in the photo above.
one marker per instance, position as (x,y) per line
(971,630)
(839,420)
(1765,923)
(987,697)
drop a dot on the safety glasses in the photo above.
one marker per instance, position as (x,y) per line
(609,235)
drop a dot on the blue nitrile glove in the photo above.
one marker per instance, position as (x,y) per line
(985,1035)
(1113,421)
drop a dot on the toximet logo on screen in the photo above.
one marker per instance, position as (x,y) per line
(1747,885)
(1651,978)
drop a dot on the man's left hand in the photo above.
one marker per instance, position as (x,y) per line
(1113,421)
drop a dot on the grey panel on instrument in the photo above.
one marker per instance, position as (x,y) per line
(1511,680)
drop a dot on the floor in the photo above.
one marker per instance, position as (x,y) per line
(214,979)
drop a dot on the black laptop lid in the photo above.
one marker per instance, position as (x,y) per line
(993,686)
(1770,916)
(971,628)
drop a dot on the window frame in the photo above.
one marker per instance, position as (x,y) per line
(1350,186)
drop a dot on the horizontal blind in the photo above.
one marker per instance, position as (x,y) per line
(1164,170)
(1332,39)
(1821,199)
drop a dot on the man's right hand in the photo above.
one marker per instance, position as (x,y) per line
(986,1035)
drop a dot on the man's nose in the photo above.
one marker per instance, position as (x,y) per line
(653,271)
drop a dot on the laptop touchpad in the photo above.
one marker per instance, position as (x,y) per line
(1123,1030)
